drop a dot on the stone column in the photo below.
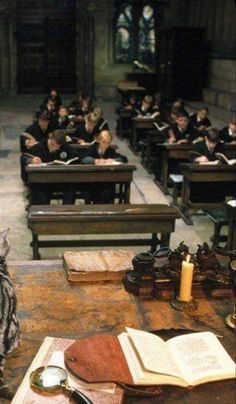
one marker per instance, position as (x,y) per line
(7,48)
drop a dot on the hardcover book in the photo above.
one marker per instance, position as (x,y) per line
(140,358)
(100,265)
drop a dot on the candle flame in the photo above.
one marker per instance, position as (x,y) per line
(188,258)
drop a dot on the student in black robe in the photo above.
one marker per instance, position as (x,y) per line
(204,152)
(35,133)
(48,150)
(182,131)
(91,127)
(100,153)
(146,108)
(179,132)
(54,96)
(81,106)
(199,120)
(228,133)
(62,120)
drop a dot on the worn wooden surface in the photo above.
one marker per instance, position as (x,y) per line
(50,306)
(102,219)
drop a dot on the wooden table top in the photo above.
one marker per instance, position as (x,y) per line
(48,305)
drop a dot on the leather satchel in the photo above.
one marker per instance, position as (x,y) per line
(99,359)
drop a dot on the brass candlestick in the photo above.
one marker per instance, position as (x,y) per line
(181,305)
(231,318)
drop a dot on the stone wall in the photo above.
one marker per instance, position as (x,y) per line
(217,16)
(219,19)
(222,84)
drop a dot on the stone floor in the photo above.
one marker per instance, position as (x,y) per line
(15,116)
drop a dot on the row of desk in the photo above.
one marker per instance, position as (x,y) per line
(121,174)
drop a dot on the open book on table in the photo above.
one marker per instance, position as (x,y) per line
(223,159)
(140,358)
(186,360)
(56,162)
(161,126)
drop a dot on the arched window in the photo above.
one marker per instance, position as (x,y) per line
(123,36)
(135,37)
(146,36)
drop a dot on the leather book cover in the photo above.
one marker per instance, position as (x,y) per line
(99,265)
(98,359)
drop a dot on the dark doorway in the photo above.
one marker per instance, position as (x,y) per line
(46,45)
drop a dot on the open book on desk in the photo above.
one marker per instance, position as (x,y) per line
(186,360)
(56,162)
(223,159)
(161,126)
(141,358)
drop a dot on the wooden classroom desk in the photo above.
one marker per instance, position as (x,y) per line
(124,115)
(168,151)
(175,151)
(48,305)
(195,173)
(83,173)
(140,123)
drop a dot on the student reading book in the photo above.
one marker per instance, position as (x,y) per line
(140,358)
(44,152)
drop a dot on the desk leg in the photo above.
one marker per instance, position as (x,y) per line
(165,240)
(134,137)
(36,255)
(184,207)
(231,239)
(127,193)
(154,242)
(164,171)
(121,193)
(29,195)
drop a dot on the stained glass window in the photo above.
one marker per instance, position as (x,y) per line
(146,43)
(123,40)
(135,37)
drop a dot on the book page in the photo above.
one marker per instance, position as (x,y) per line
(139,374)
(52,352)
(154,352)
(201,358)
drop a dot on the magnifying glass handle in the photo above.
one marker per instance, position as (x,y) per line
(79,397)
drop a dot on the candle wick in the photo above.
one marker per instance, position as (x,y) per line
(188,258)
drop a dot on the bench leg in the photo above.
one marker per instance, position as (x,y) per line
(36,255)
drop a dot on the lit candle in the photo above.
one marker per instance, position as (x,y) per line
(186,280)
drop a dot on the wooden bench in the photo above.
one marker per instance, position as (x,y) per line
(219,218)
(44,220)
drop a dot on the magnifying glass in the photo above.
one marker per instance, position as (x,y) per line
(53,380)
